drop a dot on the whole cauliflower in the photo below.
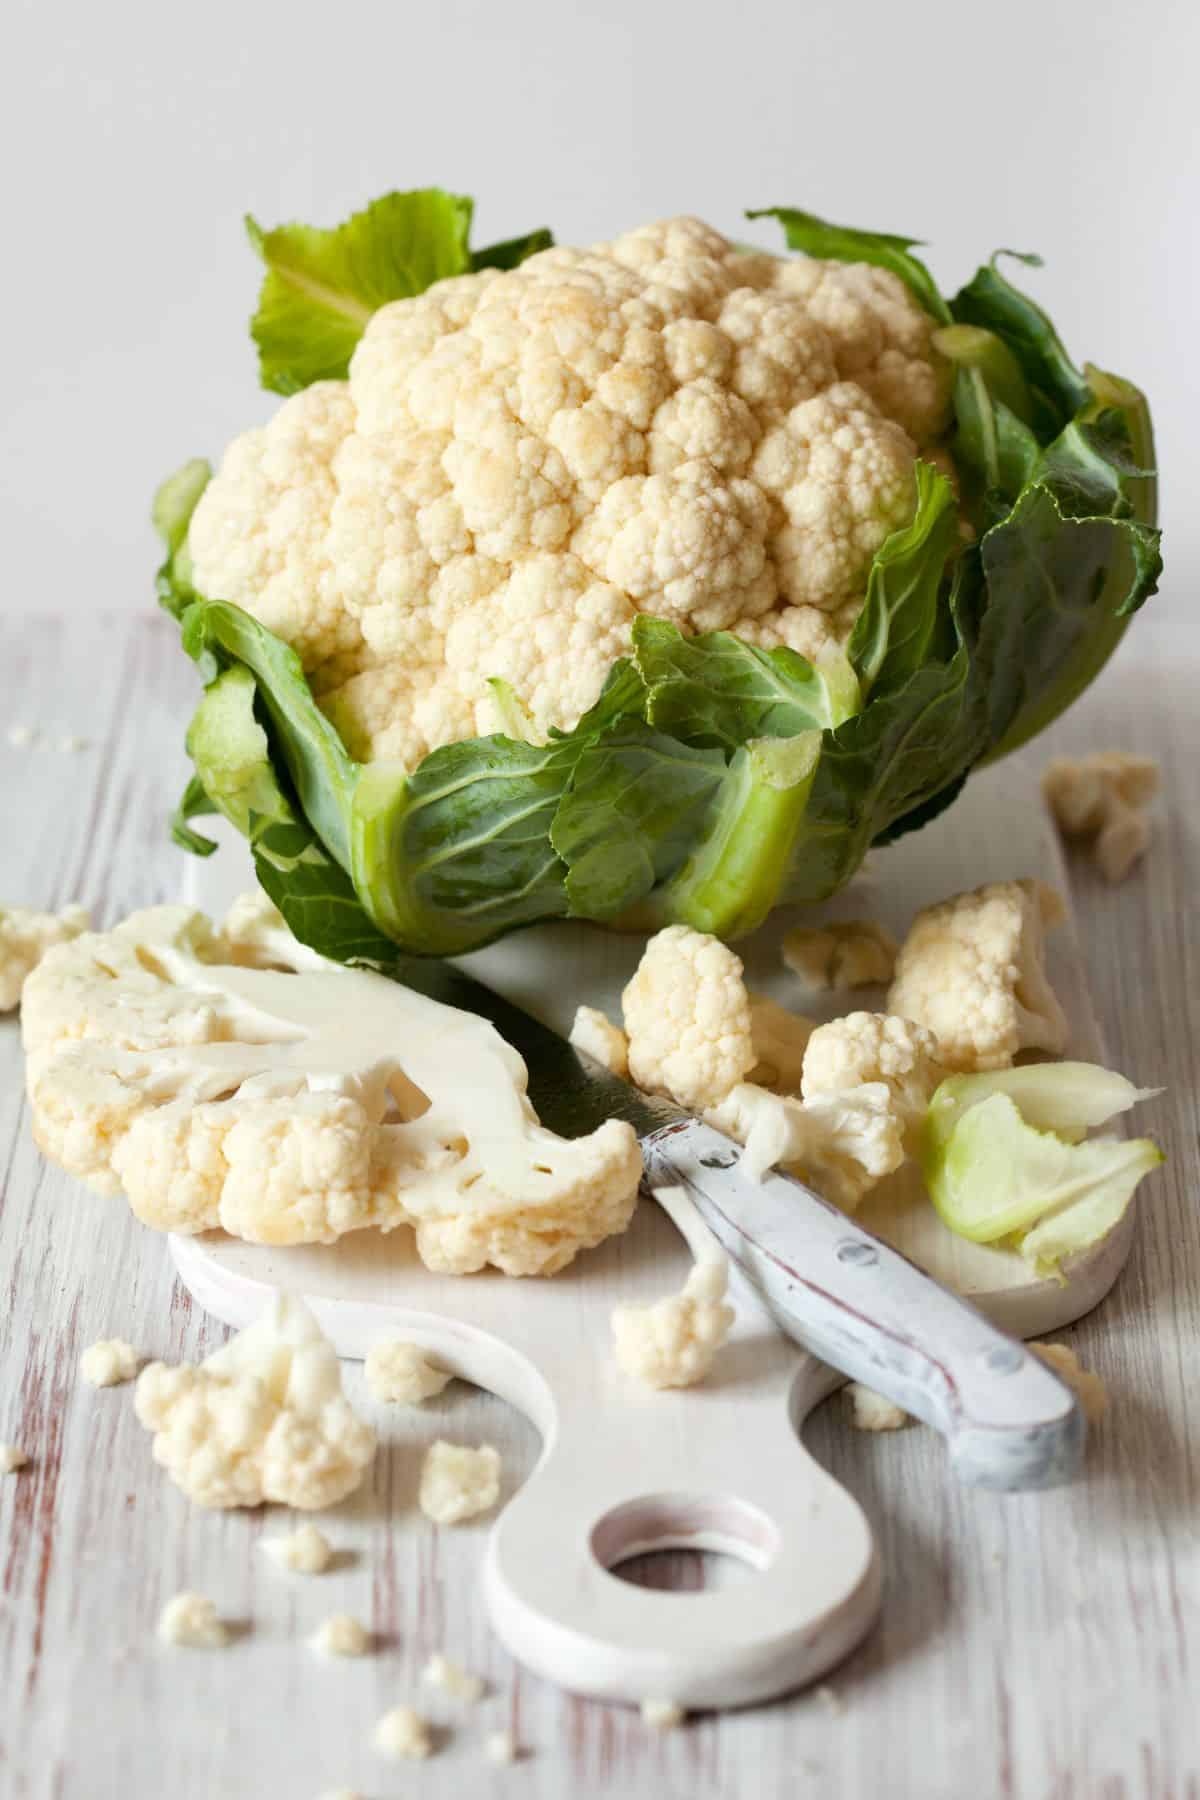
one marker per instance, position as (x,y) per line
(263,1419)
(294,1102)
(970,970)
(521,461)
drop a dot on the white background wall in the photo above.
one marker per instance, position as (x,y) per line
(134,134)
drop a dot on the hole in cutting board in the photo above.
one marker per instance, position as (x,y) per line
(684,1542)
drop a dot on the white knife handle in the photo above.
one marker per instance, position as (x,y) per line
(855,1302)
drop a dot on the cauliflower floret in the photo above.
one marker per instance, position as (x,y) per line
(305,1551)
(190,1622)
(403,1374)
(873,1412)
(971,971)
(109,1363)
(263,1418)
(687,1015)
(842,1143)
(863,1048)
(442,1672)
(597,1036)
(240,1081)
(521,460)
(341,1635)
(404,1733)
(25,937)
(857,953)
(1088,1387)
(457,1482)
(672,1343)
(1104,797)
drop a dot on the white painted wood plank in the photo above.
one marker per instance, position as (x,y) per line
(1042,1645)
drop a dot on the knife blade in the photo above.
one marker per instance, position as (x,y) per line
(843,1294)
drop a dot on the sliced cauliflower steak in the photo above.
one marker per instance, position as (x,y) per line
(292,1107)
(523,460)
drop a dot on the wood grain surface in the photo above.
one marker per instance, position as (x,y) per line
(1043,1646)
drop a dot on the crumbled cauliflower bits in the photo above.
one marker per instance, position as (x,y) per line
(856,953)
(970,971)
(12,1459)
(1103,797)
(109,1363)
(341,1635)
(403,1374)
(25,938)
(442,1672)
(1088,1387)
(404,1734)
(870,1411)
(523,460)
(673,1342)
(232,1079)
(458,1482)
(599,1037)
(305,1551)
(262,1419)
(190,1622)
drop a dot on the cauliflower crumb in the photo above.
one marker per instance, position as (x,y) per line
(1103,797)
(190,1622)
(341,1635)
(501,1747)
(672,1343)
(305,1551)
(25,938)
(12,1458)
(970,970)
(403,1732)
(662,1715)
(597,1036)
(403,1374)
(341,1793)
(457,1482)
(863,1048)
(109,1362)
(1087,1386)
(858,953)
(453,1679)
(264,1418)
(874,1412)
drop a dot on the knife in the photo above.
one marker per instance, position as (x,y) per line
(837,1290)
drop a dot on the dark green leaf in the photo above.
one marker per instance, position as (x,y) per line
(1059,390)
(845,243)
(513,251)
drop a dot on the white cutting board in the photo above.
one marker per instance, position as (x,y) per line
(720,1466)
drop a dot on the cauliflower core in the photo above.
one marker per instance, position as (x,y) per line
(264,1418)
(521,461)
(970,970)
(25,937)
(672,1343)
(292,1104)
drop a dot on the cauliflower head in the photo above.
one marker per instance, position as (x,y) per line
(522,460)
(25,937)
(263,1419)
(970,971)
(296,1101)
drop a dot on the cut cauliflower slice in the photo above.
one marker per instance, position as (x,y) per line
(522,460)
(262,1419)
(1103,797)
(971,971)
(672,1343)
(25,937)
(863,1048)
(237,1080)
(857,953)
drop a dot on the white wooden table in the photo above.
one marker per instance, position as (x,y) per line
(1044,1646)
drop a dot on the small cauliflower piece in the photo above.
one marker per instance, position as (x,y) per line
(234,1079)
(662,1715)
(403,1374)
(404,1734)
(1088,1387)
(863,1048)
(12,1458)
(341,1635)
(841,1143)
(501,1747)
(457,1482)
(870,1411)
(597,1036)
(857,953)
(305,1551)
(25,938)
(109,1362)
(190,1622)
(970,971)
(263,1418)
(441,1672)
(672,1343)
(1103,797)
